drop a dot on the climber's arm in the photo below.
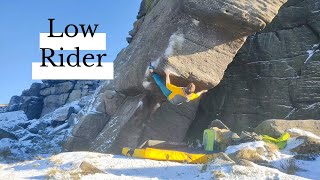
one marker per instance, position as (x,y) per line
(174,89)
(194,96)
(167,77)
(201,92)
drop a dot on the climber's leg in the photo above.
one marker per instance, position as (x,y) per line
(161,84)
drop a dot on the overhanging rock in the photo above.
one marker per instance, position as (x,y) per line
(196,40)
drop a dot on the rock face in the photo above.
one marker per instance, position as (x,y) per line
(204,34)
(269,78)
(276,127)
(43,98)
(196,40)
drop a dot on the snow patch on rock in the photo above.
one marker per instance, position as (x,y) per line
(175,42)
(195,22)
(315,49)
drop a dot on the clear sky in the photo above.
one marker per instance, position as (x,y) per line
(21,22)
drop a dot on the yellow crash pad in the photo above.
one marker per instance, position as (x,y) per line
(166,155)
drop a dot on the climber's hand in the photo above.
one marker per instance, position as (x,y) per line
(167,72)
(201,92)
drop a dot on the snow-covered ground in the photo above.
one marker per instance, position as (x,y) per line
(284,160)
(67,166)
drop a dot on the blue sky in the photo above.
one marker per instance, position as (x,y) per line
(21,22)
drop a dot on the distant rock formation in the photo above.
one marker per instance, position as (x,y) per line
(43,98)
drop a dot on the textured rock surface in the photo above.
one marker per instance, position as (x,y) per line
(201,33)
(309,146)
(268,78)
(276,127)
(194,39)
(224,138)
(43,98)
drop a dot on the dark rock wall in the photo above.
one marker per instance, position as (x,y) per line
(268,78)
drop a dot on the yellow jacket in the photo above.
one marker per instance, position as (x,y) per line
(179,91)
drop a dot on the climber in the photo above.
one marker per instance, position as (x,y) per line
(176,95)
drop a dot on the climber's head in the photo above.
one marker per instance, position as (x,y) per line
(190,88)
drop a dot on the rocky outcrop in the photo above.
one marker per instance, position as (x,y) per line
(28,138)
(269,78)
(196,40)
(43,98)
(276,127)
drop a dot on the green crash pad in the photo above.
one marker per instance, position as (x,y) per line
(281,142)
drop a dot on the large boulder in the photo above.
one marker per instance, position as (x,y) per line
(90,124)
(14,103)
(276,127)
(191,32)
(268,78)
(34,90)
(32,106)
(52,102)
(196,40)
(223,138)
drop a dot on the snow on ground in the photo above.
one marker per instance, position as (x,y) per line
(285,160)
(66,165)
(249,145)
(304,168)
(310,169)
